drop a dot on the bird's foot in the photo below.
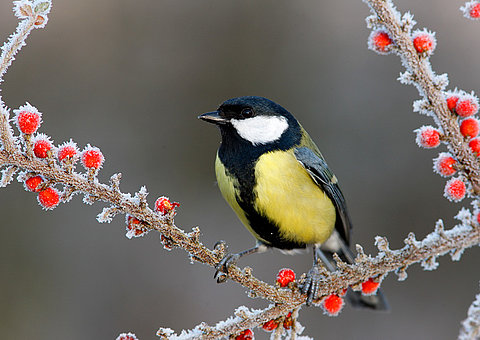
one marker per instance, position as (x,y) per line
(221,272)
(310,284)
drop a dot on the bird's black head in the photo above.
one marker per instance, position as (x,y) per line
(253,119)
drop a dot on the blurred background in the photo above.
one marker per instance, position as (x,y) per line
(131,77)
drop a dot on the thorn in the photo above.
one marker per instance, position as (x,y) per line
(115,182)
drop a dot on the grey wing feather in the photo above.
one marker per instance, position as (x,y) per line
(326,180)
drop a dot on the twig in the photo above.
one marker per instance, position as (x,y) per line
(429,85)
(437,243)
(471,325)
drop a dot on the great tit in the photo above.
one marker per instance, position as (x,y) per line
(276,180)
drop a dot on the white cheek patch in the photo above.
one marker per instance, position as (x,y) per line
(261,129)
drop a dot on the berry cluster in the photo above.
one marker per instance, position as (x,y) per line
(380,41)
(332,304)
(463,106)
(39,146)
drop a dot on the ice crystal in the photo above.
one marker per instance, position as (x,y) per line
(456,254)
(141,196)
(464,216)
(408,22)
(401,273)
(422,106)
(471,325)
(107,214)
(7,175)
(430,263)
(22,9)
(406,78)
(441,80)
(232,320)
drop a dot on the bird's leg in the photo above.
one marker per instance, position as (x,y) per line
(230,259)
(312,280)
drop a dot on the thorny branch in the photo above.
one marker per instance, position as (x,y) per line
(440,242)
(429,85)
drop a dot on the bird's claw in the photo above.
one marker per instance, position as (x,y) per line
(222,267)
(310,285)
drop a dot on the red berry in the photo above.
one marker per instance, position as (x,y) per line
(471,9)
(467,105)
(41,146)
(164,206)
(477,213)
(370,287)
(127,336)
(40,20)
(245,335)
(424,41)
(333,304)
(469,127)
(67,150)
(379,41)
(33,182)
(428,137)
(29,121)
(288,321)
(475,11)
(135,227)
(92,157)
(49,198)
(285,276)
(474,145)
(443,165)
(452,102)
(270,325)
(455,190)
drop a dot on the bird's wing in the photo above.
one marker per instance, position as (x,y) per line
(326,180)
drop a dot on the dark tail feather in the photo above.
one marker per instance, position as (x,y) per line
(376,301)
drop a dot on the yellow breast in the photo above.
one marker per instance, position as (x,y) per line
(227,185)
(287,195)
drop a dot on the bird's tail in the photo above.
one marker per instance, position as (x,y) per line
(375,301)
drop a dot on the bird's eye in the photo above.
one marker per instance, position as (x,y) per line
(247,112)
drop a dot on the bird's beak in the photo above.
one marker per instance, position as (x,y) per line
(213,117)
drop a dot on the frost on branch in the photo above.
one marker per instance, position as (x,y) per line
(50,172)
(7,175)
(471,325)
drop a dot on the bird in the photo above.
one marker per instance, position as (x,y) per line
(275,178)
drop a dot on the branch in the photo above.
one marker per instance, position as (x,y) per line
(471,325)
(429,85)
(44,166)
